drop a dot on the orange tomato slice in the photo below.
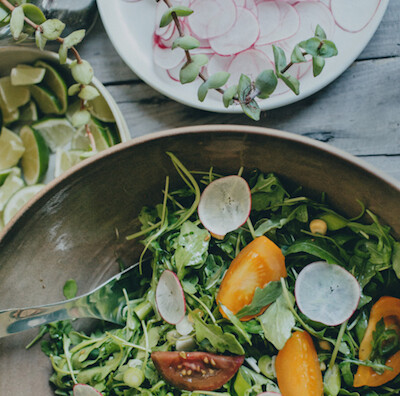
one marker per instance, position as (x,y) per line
(297,367)
(257,264)
(387,308)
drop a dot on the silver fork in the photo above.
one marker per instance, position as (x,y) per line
(105,302)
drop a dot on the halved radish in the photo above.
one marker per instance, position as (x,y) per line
(85,390)
(170,298)
(327,293)
(225,205)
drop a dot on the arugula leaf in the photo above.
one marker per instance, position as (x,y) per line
(278,321)
(262,298)
(192,247)
(267,191)
(220,341)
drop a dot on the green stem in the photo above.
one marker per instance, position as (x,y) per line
(337,344)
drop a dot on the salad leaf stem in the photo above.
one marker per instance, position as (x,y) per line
(123,342)
(67,353)
(209,313)
(251,228)
(337,344)
(143,232)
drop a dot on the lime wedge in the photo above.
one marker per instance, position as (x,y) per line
(80,141)
(56,84)
(13,97)
(11,148)
(18,200)
(5,15)
(35,160)
(57,132)
(47,102)
(26,75)
(7,172)
(100,135)
(8,116)
(99,108)
(66,159)
(28,112)
(72,109)
(12,184)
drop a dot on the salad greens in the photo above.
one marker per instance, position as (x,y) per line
(116,361)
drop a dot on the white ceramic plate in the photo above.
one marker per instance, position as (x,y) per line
(131,25)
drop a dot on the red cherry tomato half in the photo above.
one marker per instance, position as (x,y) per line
(196,370)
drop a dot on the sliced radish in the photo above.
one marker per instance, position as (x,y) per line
(270,14)
(170,298)
(185,326)
(212,18)
(225,205)
(289,23)
(353,16)
(240,37)
(85,390)
(252,60)
(327,293)
(269,394)
(218,63)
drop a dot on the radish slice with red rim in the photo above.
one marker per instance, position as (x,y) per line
(327,293)
(170,298)
(212,18)
(225,205)
(350,21)
(242,35)
(85,390)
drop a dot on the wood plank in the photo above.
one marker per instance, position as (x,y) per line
(358,112)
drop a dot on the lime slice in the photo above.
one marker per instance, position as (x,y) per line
(13,97)
(55,83)
(66,159)
(80,141)
(101,138)
(8,116)
(99,108)
(47,102)
(7,172)
(26,75)
(5,15)
(18,200)
(57,132)
(28,112)
(113,134)
(11,148)
(12,184)
(35,160)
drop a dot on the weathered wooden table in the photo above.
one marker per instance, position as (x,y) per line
(359,112)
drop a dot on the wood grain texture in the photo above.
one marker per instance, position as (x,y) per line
(358,112)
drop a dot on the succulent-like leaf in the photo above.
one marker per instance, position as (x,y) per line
(318,64)
(63,54)
(244,87)
(88,93)
(266,83)
(320,33)
(80,117)
(279,59)
(17,22)
(217,80)
(292,82)
(74,38)
(74,89)
(327,49)
(311,46)
(52,29)
(82,72)
(229,94)
(40,40)
(202,91)
(180,11)
(191,70)
(252,110)
(186,43)
(297,55)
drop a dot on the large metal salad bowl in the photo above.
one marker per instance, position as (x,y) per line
(77,225)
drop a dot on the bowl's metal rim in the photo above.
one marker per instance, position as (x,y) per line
(339,153)
(119,118)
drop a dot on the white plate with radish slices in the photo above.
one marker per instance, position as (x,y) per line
(233,38)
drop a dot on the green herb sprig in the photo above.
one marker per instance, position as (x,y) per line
(246,91)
